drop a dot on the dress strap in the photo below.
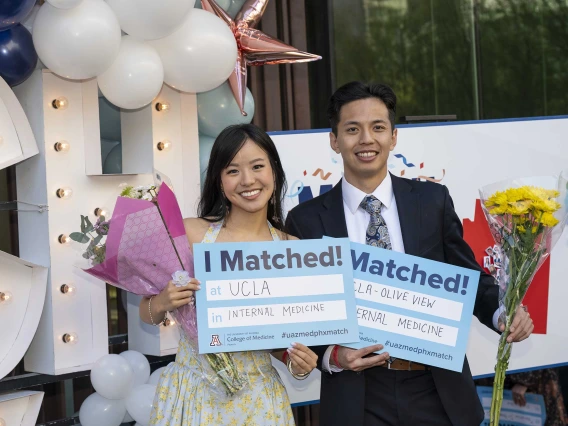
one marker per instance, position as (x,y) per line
(212,232)
(273,232)
(215,228)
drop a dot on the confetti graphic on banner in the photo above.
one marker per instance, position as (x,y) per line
(321,174)
(299,185)
(406,163)
(421,165)
(432,178)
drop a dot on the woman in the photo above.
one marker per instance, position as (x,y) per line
(241,201)
(546,383)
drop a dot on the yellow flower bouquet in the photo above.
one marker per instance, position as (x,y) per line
(526,217)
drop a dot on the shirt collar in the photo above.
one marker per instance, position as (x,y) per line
(352,196)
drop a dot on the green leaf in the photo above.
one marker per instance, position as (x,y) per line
(89,224)
(83,224)
(79,237)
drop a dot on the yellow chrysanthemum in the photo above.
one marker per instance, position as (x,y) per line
(499,210)
(519,207)
(497,199)
(522,229)
(548,219)
(545,205)
(514,195)
(523,200)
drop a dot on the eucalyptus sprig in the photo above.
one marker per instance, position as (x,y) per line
(92,235)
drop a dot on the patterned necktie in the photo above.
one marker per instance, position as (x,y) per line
(377,231)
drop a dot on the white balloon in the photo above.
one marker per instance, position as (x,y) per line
(99,411)
(200,55)
(135,77)
(155,376)
(77,43)
(112,377)
(140,366)
(64,4)
(150,19)
(139,403)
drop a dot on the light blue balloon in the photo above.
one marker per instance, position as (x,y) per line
(113,161)
(218,109)
(205,145)
(225,4)
(235,7)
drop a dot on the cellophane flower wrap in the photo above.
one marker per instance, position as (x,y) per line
(526,217)
(143,247)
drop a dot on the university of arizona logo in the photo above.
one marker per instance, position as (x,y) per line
(215,340)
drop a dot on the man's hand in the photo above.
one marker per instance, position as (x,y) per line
(360,359)
(521,327)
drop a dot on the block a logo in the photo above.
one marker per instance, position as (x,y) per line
(215,341)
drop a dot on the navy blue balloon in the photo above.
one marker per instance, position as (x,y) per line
(18,57)
(13,12)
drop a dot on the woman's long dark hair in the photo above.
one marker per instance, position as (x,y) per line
(213,205)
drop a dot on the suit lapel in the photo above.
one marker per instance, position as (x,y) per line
(408,206)
(333,215)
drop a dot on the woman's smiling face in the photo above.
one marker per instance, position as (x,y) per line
(248,181)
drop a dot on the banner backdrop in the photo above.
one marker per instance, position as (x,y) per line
(464,156)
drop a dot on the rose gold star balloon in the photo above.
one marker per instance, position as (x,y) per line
(254,47)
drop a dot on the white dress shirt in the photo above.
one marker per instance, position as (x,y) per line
(357,220)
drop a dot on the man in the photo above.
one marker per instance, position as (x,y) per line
(370,206)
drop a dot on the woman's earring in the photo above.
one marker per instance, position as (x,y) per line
(273,203)
(225,202)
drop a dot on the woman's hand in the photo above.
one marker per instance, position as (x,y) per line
(519,395)
(173,297)
(303,359)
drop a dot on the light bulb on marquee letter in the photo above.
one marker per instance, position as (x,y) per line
(64,239)
(64,192)
(163,106)
(100,212)
(70,338)
(164,145)
(68,289)
(60,103)
(5,297)
(62,146)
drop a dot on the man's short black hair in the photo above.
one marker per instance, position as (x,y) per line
(355,91)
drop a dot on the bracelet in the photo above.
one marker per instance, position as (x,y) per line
(301,376)
(334,357)
(150,311)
